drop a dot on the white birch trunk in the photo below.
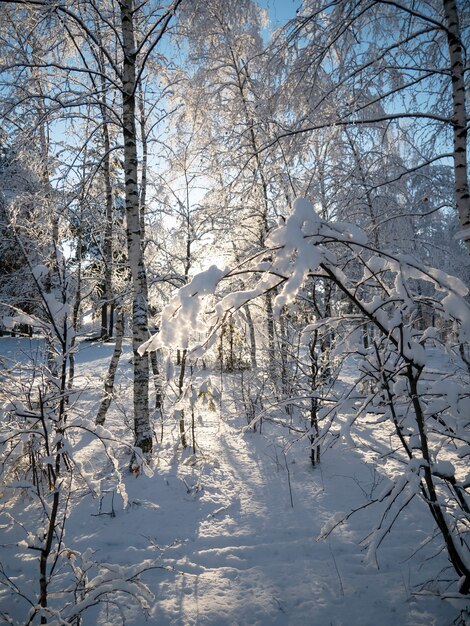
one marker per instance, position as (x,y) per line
(459,118)
(106,322)
(142,429)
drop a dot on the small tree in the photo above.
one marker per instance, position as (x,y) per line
(40,476)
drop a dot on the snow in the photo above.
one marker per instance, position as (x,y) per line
(459,309)
(181,315)
(245,533)
(463,234)
(444,468)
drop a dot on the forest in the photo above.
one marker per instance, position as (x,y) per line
(234,312)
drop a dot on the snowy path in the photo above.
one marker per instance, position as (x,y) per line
(229,548)
(251,558)
(251,554)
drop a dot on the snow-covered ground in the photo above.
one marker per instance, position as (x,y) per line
(232,536)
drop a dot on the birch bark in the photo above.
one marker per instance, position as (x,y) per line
(106,316)
(142,430)
(459,118)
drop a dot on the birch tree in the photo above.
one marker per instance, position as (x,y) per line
(122,39)
(385,65)
(457,44)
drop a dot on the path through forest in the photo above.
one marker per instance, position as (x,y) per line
(233,534)
(242,553)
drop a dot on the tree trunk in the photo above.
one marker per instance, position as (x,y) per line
(107,296)
(251,331)
(457,556)
(106,326)
(76,304)
(459,118)
(109,382)
(180,413)
(142,430)
(143,141)
(271,334)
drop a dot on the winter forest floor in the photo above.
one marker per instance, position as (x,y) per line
(233,533)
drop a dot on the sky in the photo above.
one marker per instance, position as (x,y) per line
(280,10)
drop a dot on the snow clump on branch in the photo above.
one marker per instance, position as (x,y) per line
(302,245)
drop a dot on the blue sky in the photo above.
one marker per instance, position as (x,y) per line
(280,10)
